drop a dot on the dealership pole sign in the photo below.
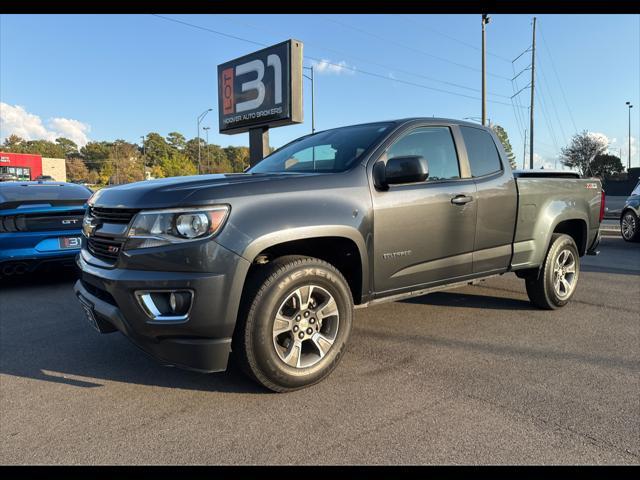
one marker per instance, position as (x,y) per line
(262,89)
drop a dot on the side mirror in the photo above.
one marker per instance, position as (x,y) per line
(399,170)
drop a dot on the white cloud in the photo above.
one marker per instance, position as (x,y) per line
(601,137)
(540,161)
(333,68)
(15,120)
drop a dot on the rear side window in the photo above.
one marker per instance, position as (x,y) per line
(482,152)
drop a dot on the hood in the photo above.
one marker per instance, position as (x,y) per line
(189,191)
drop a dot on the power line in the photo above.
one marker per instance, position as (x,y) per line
(340,66)
(409,47)
(422,25)
(372,62)
(553,103)
(559,82)
(193,25)
(547,119)
(516,99)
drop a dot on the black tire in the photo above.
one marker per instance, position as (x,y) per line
(540,289)
(633,233)
(266,290)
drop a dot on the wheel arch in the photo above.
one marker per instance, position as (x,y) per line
(339,245)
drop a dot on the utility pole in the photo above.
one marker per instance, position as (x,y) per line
(524,154)
(144,153)
(200,117)
(206,129)
(117,167)
(533,76)
(629,161)
(485,19)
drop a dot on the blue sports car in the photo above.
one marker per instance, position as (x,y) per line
(40,222)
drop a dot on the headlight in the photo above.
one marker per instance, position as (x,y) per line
(154,228)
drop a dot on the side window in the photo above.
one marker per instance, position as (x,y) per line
(482,152)
(436,145)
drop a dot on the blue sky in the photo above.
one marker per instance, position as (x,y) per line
(121,76)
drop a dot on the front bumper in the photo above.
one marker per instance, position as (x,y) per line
(201,342)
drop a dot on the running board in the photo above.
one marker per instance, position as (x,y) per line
(425,291)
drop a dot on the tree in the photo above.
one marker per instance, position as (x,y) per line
(506,144)
(125,159)
(177,165)
(176,140)
(604,165)
(238,157)
(69,147)
(93,177)
(12,143)
(77,171)
(584,148)
(95,153)
(157,172)
(214,160)
(156,148)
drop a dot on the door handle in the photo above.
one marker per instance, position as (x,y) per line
(461,199)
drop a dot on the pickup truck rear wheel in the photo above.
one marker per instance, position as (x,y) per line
(556,282)
(296,323)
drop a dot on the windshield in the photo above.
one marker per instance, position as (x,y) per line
(331,151)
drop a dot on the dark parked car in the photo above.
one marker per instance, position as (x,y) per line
(629,218)
(269,263)
(40,222)
(44,178)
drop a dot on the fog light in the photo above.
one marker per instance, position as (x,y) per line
(166,305)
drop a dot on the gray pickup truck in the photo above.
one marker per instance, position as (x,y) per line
(267,265)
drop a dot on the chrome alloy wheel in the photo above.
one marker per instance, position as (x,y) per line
(628,226)
(306,326)
(564,274)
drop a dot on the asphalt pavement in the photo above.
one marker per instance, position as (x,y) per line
(474,375)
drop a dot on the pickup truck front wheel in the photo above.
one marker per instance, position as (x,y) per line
(556,282)
(297,324)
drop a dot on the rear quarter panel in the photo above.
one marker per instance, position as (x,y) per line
(543,204)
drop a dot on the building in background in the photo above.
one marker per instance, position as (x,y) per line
(56,168)
(28,166)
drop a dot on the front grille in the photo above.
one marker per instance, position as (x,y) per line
(101,245)
(40,222)
(107,248)
(113,215)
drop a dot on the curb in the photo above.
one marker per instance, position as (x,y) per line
(610,233)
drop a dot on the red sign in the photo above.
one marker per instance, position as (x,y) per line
(227,91)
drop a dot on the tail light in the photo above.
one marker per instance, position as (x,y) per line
(602,197)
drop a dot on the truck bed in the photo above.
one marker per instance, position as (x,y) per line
(545,200)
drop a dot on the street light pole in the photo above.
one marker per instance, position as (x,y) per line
(485,19)
(313,102)
(200,118)
(629,161)
(206,130)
